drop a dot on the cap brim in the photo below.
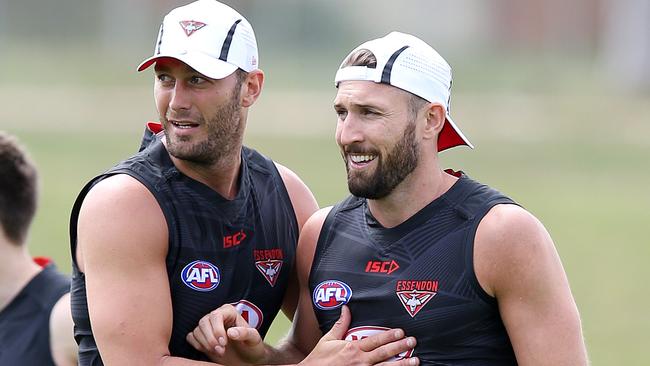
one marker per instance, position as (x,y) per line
(206,65)
(451,136)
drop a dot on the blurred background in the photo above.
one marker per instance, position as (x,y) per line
(554,94)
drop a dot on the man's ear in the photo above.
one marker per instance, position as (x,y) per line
(435,120)
(252,87)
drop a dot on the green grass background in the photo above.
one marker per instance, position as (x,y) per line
(574,154)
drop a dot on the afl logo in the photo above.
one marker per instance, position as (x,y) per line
(331,294)
(201,276)
(358,333)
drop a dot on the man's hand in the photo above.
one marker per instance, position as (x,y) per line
(226,338)
(374,350)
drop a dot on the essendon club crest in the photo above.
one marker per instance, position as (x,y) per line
(270,269)
(413,301)
(191,26)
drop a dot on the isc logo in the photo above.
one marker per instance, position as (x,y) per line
(386,267)
(331,294)
(235,239)
(201,276)
(366,331)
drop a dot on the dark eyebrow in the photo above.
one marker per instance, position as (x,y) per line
(358,105)
(366,106)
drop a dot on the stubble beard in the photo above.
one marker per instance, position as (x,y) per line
(224,131)
(391,170)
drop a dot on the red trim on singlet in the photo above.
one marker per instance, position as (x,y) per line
(42,261)
(154,127)
(455,173)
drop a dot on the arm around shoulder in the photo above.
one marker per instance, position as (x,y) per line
(516,262)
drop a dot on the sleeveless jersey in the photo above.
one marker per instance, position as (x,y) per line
(238,251)
(418,276)
(25,321)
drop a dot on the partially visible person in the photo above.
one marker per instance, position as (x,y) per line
(195,219)
(473,276)
(35,320)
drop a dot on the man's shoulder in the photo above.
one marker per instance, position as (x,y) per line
(508,237)
(505,219)
(118,193)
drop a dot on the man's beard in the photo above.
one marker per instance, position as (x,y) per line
(224,131)
(391,170)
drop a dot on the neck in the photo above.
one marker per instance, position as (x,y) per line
(17,268)
(414,193)
(222,176)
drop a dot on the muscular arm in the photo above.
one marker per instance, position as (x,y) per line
(516,261)
(62,343)
(122,245)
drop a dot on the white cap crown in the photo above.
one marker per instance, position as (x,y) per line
(209,36)
(406,62)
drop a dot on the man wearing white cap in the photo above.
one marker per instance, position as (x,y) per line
(195,219)
(471,275)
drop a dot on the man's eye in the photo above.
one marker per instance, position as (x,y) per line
(197,80)
(341,114)
(163,78)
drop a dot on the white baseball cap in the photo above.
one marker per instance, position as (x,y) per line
(209,36)
(406,62)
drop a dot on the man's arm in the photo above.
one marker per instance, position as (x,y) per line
(122,245)
(516,262)
(62,343)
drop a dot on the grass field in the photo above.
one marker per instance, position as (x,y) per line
(577,160)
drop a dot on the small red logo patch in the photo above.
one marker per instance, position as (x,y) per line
(270,269)
(250,312)
(386,267)
(235,239)
(191,26)
(415,294)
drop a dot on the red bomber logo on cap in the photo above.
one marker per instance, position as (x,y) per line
(191,26)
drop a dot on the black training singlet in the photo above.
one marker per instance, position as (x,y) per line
(239,251)
(25,321)
(418,276)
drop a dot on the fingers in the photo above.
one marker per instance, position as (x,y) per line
(341,326)
(377,340)
(246,335)
(386,345)
(211,328)
(413,361)
(192,340)
(210,334)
